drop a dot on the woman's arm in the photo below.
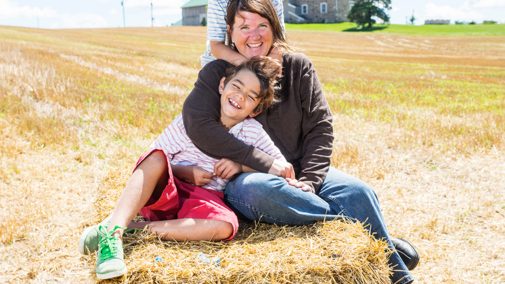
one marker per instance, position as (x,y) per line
(317,130)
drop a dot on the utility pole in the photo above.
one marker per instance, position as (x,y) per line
(38,21)
(124,22)
(152,19)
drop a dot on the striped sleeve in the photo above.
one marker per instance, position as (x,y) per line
(265,144)
(216,23)
(260,139)
(280,11)
(173,140)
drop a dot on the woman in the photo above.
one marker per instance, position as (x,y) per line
(300,126)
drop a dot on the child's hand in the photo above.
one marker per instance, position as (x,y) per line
(300,184)
(282,169)
(227,168)
(200,176)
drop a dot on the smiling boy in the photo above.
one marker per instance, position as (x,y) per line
(177,210)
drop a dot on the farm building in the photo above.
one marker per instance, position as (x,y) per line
(316,11)
(437,22)
(295,11)
(193,12)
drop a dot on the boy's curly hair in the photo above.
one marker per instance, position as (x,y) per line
(267,70)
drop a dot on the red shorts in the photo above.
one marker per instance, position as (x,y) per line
(183,200)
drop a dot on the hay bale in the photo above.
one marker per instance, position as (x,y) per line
(326,252)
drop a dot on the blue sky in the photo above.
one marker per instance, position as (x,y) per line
(109,13)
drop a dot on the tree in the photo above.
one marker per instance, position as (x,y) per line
(363,12)
(412,19)
(203,22)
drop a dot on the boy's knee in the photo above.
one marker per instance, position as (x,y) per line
(158,157)
(223,231)
(157,160)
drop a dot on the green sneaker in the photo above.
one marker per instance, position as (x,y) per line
(110,258)
(90,238)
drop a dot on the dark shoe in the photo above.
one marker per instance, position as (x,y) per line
(407,252)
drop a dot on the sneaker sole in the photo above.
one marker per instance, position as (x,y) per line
(82,240)
(112,274)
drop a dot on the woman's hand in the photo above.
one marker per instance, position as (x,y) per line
(192,174)
(297,183)
(225,168)
(282,169)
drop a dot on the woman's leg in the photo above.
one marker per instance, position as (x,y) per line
(270,199)
(258,196)
(189,229)
(355,199)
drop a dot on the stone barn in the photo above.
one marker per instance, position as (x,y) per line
(316,11)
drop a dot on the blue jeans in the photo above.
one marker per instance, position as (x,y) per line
(258,196)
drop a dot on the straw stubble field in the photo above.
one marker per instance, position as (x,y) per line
(422,119)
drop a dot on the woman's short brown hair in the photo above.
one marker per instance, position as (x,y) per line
(265,9)
(267,70)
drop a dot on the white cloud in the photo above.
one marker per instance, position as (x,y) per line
(172,4)
(489,4)
(113,12)
(159,12)
(394,8)
(10,9)
(432,11)
(84,21)
(479,4)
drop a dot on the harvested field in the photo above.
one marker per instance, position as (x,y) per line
(420,118)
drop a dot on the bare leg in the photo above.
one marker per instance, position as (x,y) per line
(146,181)
(187,229)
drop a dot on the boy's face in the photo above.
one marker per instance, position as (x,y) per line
(239,97)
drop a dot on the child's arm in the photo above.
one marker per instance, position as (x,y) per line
(222,51)
(173,141)
(192,174)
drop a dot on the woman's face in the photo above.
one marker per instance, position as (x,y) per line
(252,34)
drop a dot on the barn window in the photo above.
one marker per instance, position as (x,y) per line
(305,9)
(324,8)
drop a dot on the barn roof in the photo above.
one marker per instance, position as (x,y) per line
(195,3)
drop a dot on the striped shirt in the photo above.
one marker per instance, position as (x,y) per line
(216,24)
(175,143)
